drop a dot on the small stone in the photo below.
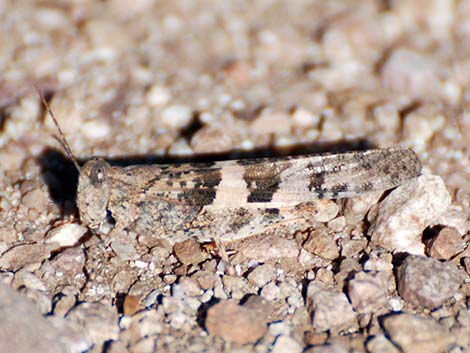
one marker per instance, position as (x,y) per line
(66,235)
(271,291)
(427,282)
(36,199)
(24,255)
(329,310)
(190,286)
(235,323)
(446,244)
(100,321)
(368,291)
(321,243)
(262,274)
(205,279)
(67,268)
(268,248)
(380,344)
(131,305)
(286,344)
(352,247)
(407,211)
(356,208)
(125,251)
(189,252)
(95,129)
(410,73)
(23,328)
(414,334)
(176,116)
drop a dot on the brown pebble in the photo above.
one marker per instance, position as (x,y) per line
(23,255)
(322,244)
(131,305)
(189,252)
(446,244)
(427,282)
(235,323)
(414,334)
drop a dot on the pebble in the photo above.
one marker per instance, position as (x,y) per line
(271,291)
(446,244)
(235,323)
(66,235)
(36,199)
(427,282)
(189,252)
(380,344)
(23,255)
(286,344)
(321,243)
(407,211)
(131,305)
(100,321)
(414,334)
(329,309)
(261,275)
(409,73)
(24,329)
(125,251)
(368,291)
(356,208)
(176,116)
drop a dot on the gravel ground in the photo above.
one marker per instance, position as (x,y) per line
(164,81)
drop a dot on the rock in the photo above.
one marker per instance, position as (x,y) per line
(261,275)
(23,255)
(100,321)
(380,344)
(23,328)
(271,291)
(329,310)
(132,304)
(407,211)
(426,281)
(410,73)
(368,291)
(446,244)
(189,252)
(415,334)
(36,199)
(321,243)
(176,116)
(235,323)
(125,251)
(66,235)
(286,344)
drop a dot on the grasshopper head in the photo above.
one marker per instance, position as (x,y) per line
(94,187)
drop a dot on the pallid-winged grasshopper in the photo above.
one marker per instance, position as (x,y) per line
(228,200)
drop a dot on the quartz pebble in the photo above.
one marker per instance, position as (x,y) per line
(235,323)
(286,344)
(100,321)
(407,211)
(414,334)
(368,291)
(329,309)
(65,235)
(426,281)
(261,275)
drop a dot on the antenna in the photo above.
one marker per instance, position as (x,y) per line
(62,140)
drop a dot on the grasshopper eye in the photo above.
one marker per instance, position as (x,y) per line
(98,172)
